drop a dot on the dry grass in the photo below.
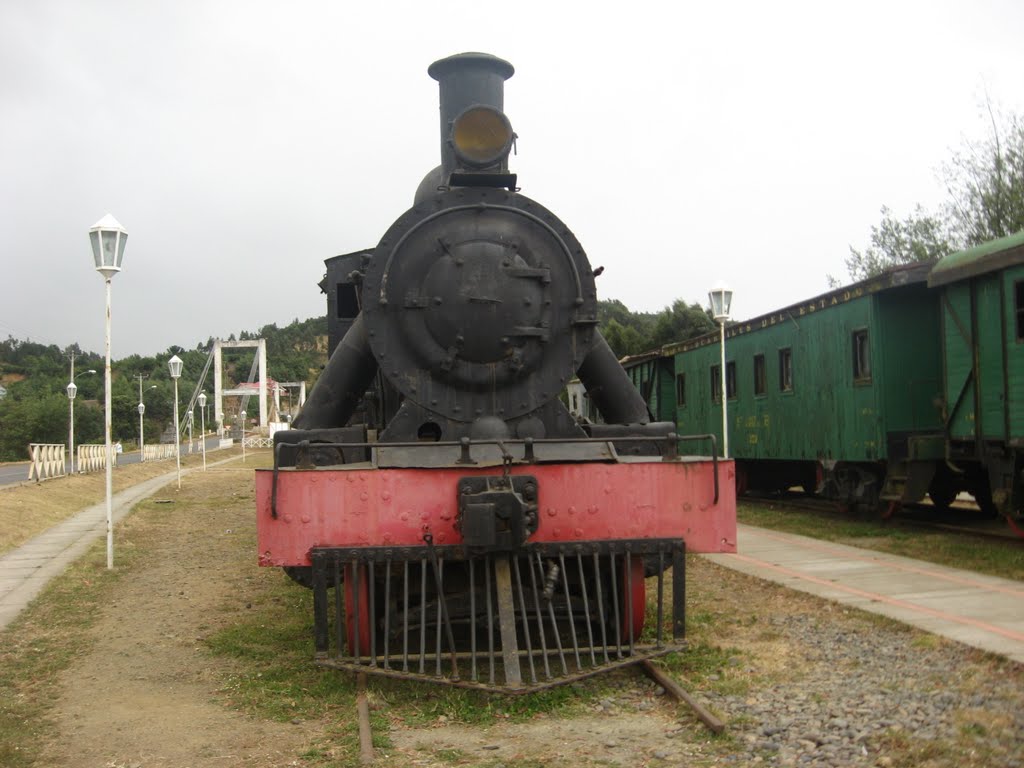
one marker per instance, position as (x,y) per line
(29,509)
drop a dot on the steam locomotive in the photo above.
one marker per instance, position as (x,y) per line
(455,522)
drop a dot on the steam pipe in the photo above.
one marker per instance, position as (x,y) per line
(342,384)
(609,386)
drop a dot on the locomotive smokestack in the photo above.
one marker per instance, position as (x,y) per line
(471,80)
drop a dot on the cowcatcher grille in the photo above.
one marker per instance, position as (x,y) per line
(544,615)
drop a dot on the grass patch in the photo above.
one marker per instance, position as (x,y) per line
(956,550)
(28,510)
(42,643)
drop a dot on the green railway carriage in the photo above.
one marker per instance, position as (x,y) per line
(652,374)
(981,298)
(839,394)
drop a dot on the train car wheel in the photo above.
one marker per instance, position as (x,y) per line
(357,601)
(633,589)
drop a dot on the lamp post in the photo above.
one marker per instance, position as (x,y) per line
(720,297)
(202,424)
(142,411)
(242,417)
(72,391)
(108,239)
(175,365)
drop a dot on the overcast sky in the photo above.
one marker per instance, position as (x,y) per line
(242,143)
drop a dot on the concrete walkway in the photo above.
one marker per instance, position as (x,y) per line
(985,612)
(25,571)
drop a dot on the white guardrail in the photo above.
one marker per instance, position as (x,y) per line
(92,458)
(47,459)
(158,452)
(255,441)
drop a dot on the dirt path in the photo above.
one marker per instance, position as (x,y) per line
(143,696)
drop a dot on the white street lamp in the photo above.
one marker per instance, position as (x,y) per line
(142,432)
(720,297)
(142,411)
(108,239)
(72,391)
(202,424)
(242,415)
(175,365)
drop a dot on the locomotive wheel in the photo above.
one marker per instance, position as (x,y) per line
(362,596)
(633,588)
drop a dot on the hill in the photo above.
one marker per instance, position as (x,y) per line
(35,409)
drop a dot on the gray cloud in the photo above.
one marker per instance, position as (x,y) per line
(241,143)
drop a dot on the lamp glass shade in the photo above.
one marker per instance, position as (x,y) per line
(175,364)
(108,239)
(72,390)
(202,399)
(142,408)
(720,297)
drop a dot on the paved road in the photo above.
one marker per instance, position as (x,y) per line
(18,472)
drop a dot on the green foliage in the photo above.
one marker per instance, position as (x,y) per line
(986,183)
(630,333)
(985,180)
(918,237)
(36,376)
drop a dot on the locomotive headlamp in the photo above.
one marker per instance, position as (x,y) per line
(481,136)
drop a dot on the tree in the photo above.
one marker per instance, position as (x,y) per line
(624,339)
(680,322)
(985,180)
(919,237)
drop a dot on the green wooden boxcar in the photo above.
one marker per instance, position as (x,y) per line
(838,394)
(982,331)
(652,374)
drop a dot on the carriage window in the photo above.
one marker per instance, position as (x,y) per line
(730,380)
(716,383)
(760,375)
(680,390)
(861,356)
(1018,307)
(786,370)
